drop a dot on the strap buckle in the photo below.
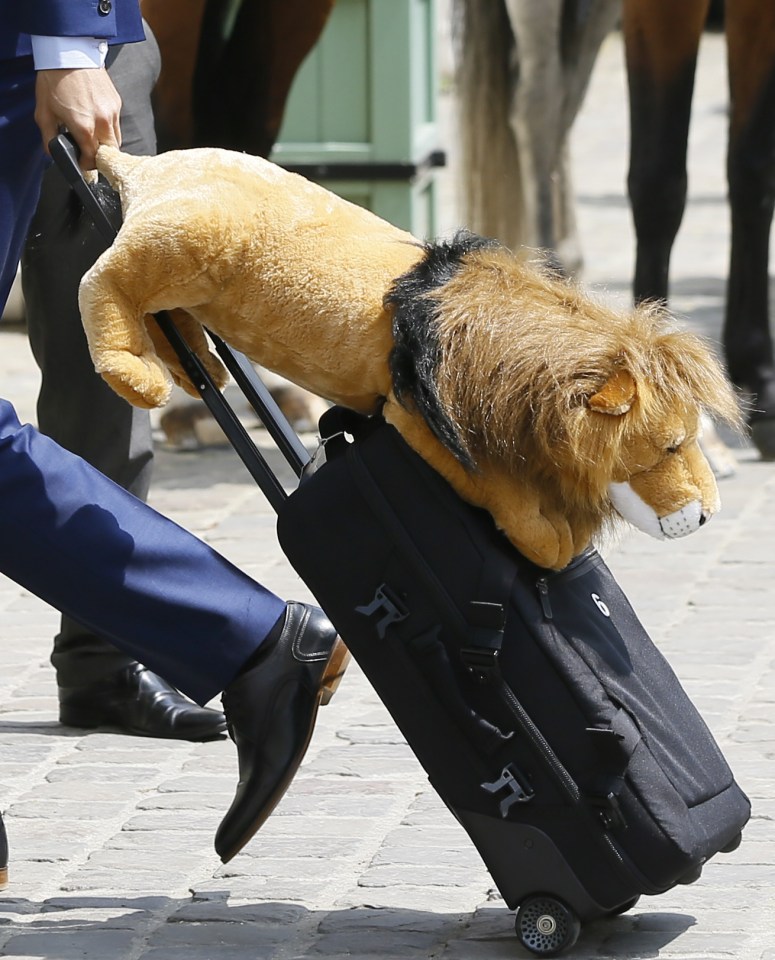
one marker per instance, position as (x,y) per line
(515,783)
(389,604)
(481,663)
(608,809)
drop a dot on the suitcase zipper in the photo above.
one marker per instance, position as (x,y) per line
(575,568)
(539,742)
(542,586)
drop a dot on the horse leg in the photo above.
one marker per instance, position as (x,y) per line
(176,25)
(248,57)
(556,46)
(585,24)
(487,173)
(536,110)
(569,251)
(750,27)
(661,42)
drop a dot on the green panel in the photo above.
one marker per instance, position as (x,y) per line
(301,120)
(410,206)
(356,191)
(389,50)
(344,75)
(367,94)
(424,77)
(404,85)
(368,89)
(328,110)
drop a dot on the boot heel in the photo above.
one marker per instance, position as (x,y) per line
(75,713)
(335,668)
(3,856)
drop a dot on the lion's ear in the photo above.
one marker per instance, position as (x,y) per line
(616,396)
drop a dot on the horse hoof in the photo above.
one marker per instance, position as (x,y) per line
(721,459)
(763,436)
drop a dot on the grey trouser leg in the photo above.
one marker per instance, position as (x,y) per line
(75,406)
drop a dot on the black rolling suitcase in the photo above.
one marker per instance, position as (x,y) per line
(543,714)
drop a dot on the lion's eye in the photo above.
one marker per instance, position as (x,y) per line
(674,448)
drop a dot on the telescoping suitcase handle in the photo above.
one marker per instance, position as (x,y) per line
(65,154)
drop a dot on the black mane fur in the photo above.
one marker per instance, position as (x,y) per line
(414,359)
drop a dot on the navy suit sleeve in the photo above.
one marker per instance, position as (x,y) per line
(117,20)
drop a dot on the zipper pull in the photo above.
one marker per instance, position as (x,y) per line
(543,595)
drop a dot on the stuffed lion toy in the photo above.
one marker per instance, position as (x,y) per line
(553,412)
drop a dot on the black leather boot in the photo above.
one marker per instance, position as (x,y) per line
(270,710)
(3,856)
(139,702)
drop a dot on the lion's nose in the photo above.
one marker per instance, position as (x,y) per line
(704,517)
(682,522)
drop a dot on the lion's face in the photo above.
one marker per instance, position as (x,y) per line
(663,483)
(668,489)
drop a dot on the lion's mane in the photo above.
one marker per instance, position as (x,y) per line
(501,358)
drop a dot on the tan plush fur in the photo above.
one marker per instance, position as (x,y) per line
(283,270)
(560,402)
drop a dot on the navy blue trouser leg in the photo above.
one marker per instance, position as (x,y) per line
(95,552)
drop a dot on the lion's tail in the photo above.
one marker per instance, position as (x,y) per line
(117,166)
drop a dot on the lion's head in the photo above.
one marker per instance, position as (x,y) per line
(521,374)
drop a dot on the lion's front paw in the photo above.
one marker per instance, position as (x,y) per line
(545,541)
(143,381)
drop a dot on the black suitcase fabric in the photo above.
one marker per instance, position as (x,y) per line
(542,712)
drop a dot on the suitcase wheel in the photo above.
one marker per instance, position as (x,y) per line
(545,926)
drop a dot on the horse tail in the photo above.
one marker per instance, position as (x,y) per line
(486,74)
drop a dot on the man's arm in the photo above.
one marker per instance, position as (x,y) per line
(83,100)
(69,39)
(74,90)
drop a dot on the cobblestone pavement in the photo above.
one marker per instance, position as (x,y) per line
(112,836)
